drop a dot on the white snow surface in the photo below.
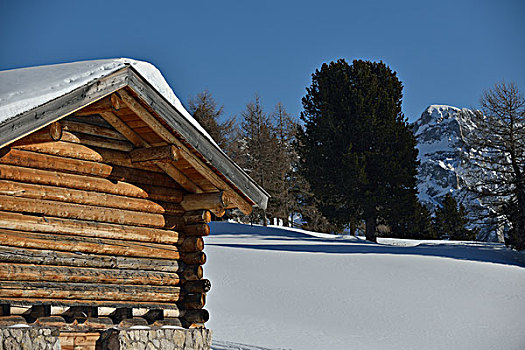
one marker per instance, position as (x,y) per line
(275,288)
(24,89)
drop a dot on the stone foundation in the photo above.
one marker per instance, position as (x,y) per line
(29,338)
(156,339)
(135,338)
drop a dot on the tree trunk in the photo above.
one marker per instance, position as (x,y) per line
(370,233)
(352,228)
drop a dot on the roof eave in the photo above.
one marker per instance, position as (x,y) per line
(27,122)
(214,155)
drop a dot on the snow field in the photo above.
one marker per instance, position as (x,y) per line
(280,289)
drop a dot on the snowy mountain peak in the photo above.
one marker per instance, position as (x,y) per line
(440,132)
(440,143)
(438,113)
(437,118)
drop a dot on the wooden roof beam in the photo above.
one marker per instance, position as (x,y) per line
(101,106)
(155,154)
(138,141)
(191,158)
(216,201)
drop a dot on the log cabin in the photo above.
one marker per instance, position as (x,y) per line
(107,185)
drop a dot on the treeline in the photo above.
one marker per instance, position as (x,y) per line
(352,162)
(266,146)
(262,144)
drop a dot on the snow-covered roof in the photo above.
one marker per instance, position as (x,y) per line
(33,97)
(24,89)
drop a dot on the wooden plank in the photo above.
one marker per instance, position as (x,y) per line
(148,154)
(25,272)
(88,183)
(124,129)
(68,195)
(81,167)
(138,141)
(127,116)
(98,107)
(83,291)
(67,226)
(135,124)
(153,139)
(80,211)
(52,257)
(35,240)
(68,150)
(198,164)
(102,142)
(91,153)
(89,245)
(91,129)
(144,130)
(89,119)
(180,177)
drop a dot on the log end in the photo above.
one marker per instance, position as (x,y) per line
(55,131)
(196,316)
(197,258)
(115,102)
(200,286)
(192,273)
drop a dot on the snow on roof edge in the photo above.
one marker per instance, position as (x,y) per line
(24,89)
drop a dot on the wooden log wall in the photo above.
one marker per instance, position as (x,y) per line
(87,220)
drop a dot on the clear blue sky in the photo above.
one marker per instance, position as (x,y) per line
(445,52)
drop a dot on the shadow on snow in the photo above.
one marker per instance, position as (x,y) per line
(475,251)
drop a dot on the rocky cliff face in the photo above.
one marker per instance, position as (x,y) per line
(440,133)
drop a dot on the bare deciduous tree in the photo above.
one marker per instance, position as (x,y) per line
(497,156)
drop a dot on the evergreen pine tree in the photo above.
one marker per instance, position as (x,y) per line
(416,226)
(206,111)
(356,149)
(451,221)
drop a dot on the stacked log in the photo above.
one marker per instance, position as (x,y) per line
(89,219)
(194,297)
